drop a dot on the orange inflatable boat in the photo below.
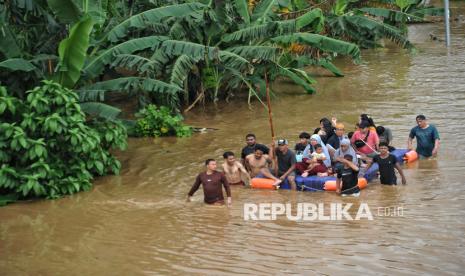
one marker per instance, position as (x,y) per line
(263,183)
(410,156)
(330,185)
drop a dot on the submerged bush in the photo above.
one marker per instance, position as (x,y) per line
(47,149)
(156,122)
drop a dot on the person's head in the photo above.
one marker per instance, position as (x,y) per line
(229,157)
(345,144)
(380,130)
(211,164)
(350,134)
(304,136)
(250,139)
(258,153)
(421,121)
(347,157)
(325,124)
(383,148)
(315,139)
(339,129)
(318,148)
(282,145)
(364,127)
(366,118)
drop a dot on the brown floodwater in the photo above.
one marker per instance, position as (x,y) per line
(139,223)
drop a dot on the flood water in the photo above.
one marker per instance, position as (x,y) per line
(138,223)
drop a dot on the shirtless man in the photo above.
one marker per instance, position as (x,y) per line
(258,163)
(234,170)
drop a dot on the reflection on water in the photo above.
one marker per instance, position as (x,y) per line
(138,222)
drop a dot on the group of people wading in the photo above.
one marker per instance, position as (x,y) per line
(329,151)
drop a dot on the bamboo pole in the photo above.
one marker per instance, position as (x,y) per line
(270,118)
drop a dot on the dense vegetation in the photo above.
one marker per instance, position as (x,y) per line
(177,53)
(48,148)
(56,135)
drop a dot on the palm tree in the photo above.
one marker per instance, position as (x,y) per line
(208,48)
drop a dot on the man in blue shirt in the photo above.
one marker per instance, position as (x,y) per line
(427,138)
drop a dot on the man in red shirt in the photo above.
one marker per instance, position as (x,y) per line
(212,183)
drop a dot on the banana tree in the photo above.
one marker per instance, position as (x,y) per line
(216,48)
(366,23)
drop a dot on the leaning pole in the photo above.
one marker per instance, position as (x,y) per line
(446,20)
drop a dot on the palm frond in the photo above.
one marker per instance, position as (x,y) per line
(17,64)
(144,19)
(253,32)
(299,77)
(233,60)
(261,10)
(392,15)
(256,53)
(242,9)
(134,83)
(193,50)
(321,42)
(181,68)
(97,64)
(378,29)
(100,110)
(328,65)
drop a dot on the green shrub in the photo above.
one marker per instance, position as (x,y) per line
(48,149)
(156,122)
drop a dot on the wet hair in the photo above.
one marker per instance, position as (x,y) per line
(366,118)
(380,130)
(327,127)
(420,117)
(348,157)
(260,148)
(364,124)
(350,134)
(250,135)
(304,135)
(227,154)
(383,144)
(317,146)
(208,161)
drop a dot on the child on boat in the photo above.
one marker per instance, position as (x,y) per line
(318,157)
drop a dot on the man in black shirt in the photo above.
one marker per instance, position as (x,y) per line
(348,177)
(387,162)
(300,147)
(251,146)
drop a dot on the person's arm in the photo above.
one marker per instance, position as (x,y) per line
(246,163)
(227,188)
(243,170)
(334,121)
(291,169)
(436,141)
(376,139)
(351,165)
(436,147)
(194,188)
(410,139)
(401,172)
(338,185)
(271,153)
(369,164)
